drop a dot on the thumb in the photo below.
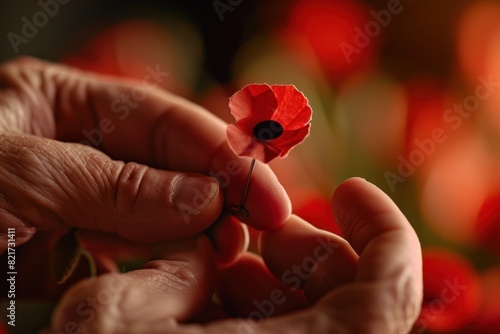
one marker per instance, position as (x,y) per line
(46,184)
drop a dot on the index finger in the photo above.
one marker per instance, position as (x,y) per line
(135,121)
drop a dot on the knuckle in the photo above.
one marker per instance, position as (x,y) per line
(175,275)
(20,61)
(128,186)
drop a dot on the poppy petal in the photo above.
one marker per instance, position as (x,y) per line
(293,109)
(290,139)
(254,101)
(270,121)
(246,125)
(244,145)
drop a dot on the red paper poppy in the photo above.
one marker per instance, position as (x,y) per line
(270,121)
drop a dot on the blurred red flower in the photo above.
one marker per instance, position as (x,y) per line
(318,212)
(128,49)
(427,101)
(3,329)
(452,292)
(119,50)
(336,32)
(487,226)
(270,121)
(488,319)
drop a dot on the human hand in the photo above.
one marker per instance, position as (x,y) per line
(145,183)
(381,292)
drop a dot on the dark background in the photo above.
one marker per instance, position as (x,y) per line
(429,25)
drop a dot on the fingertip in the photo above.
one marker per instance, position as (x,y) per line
(167,205)
(268,204)
(376,228)
(332,259)
(347,188)
(355,202)
(230,239)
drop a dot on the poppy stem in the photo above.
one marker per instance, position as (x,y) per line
(241,208)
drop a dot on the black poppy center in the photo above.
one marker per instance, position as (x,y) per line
(267,130)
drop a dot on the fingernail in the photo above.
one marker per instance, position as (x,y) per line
(192,194)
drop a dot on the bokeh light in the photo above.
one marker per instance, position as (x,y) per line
(452,292)
(330,29)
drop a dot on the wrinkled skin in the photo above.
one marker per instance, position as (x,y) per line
(131,191)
